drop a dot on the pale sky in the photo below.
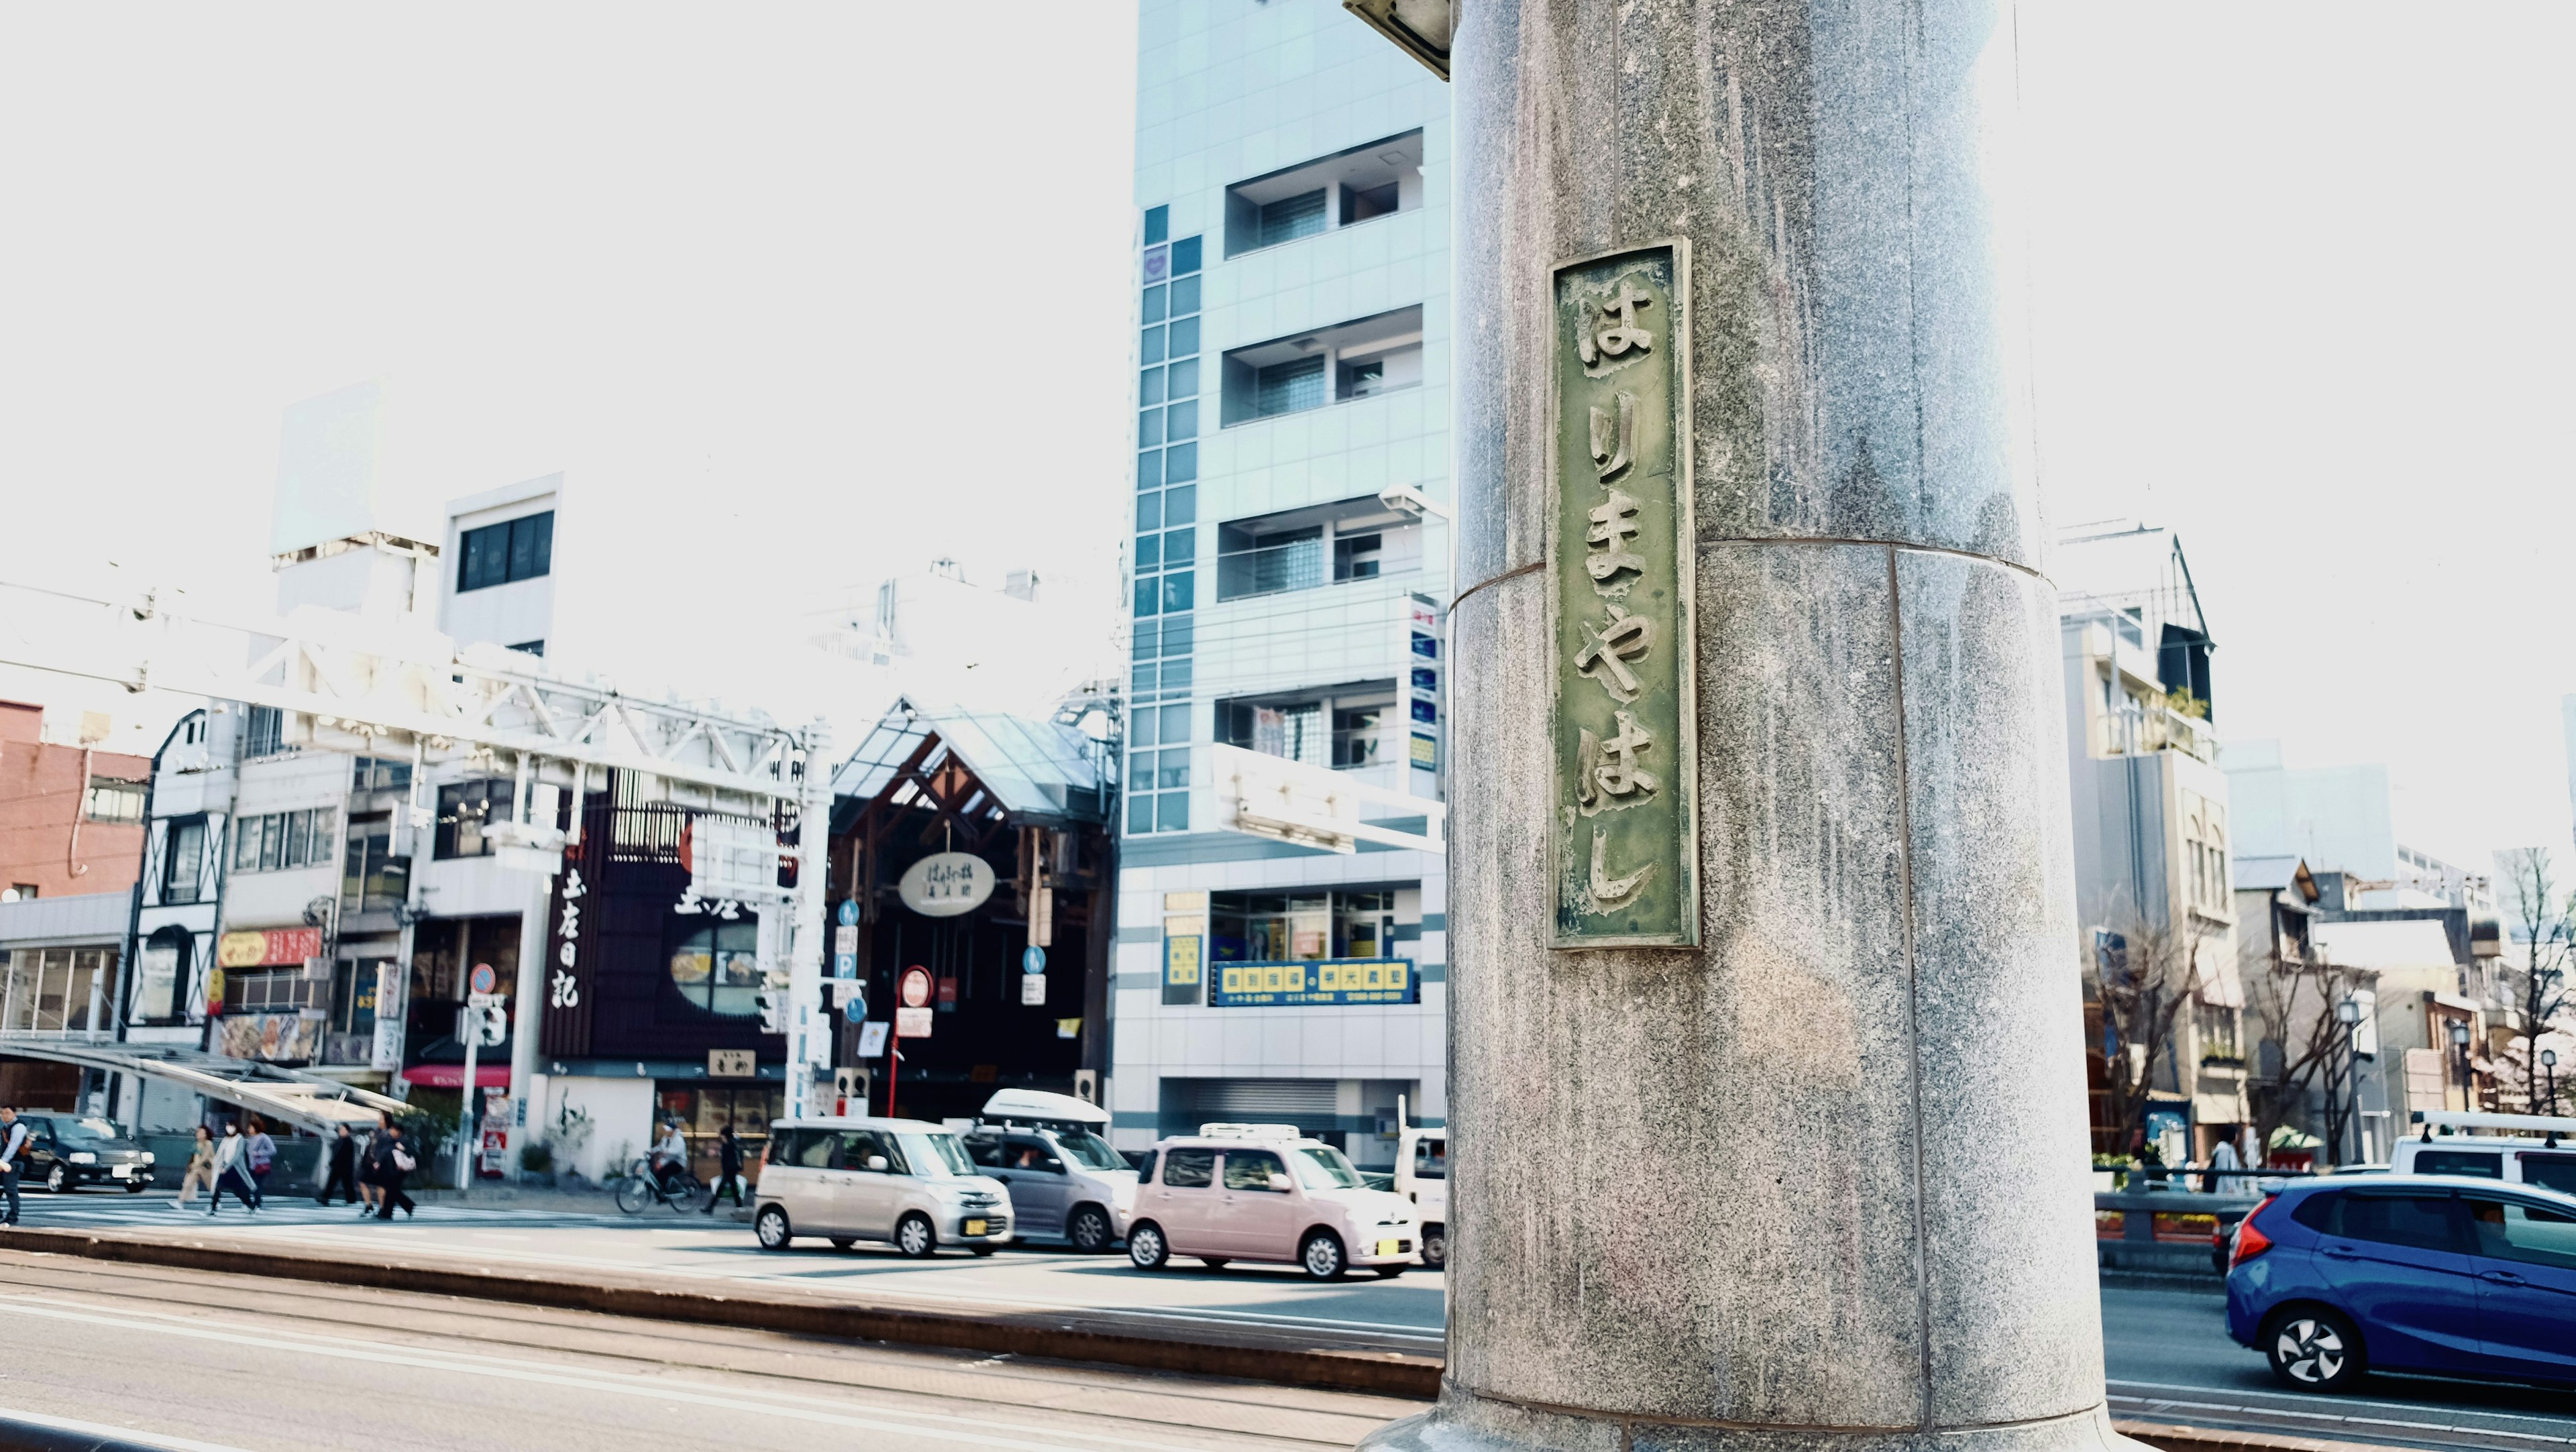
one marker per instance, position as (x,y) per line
(815,293)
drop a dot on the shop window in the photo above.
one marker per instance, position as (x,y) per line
(1250,927)
(161,972)
(716,967)
(57,990)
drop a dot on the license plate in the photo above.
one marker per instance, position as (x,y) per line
(120,1171)
(1386,1247)
(976,1227)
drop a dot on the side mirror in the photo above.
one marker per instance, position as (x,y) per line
(877,1163)
(1279,1184)
(1052,1165)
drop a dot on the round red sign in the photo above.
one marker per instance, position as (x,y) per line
(916,987)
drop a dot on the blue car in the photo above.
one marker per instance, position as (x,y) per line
(2335,1278)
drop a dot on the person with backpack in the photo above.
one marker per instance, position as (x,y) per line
(396,1161)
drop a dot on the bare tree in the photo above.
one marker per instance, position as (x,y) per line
(2142,979)
(2545,922)
(2292,1001)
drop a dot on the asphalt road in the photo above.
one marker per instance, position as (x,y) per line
(2168,1356)
(196,1361)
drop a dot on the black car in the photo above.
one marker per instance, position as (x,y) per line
(69,1150)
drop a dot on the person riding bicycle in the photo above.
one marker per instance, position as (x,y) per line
(671,1160)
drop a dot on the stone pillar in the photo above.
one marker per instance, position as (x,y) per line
(1817,1179)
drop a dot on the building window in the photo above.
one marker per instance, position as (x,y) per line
(1356,539)
(1345,731)
(57,990)
(372,878)
(349,1032)
(160,971)
(504,553)
(1358,359)
(1158,768)
(716,967)
(536,648)
(463,811)
(379,774)
(1362,184)
(111,800)
(280,840)
(182,863)
(267,990)
(263,731)
(1253,927)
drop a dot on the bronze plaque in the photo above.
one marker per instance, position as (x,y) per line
(1619,561)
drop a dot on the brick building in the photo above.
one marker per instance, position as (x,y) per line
(71,817)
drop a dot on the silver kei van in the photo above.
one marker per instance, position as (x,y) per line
(848,1179)
(1064,1178)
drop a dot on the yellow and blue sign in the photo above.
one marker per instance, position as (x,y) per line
(1314,981)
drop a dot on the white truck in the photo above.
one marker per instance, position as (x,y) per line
(1422,1176)
(2528,1149)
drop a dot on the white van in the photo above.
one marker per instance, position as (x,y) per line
(1422,1176)
(848,1179)
(2521,1149)
(1266,1192)
(1064,1178)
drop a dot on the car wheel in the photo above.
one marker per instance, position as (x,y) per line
(136,1186)
(771,1228)
(1146,1247)
(1435,1247)
(1322,1256)
(914,1236)
(843,1242)
(2315,1350)
(1089,1230)
(57,1179)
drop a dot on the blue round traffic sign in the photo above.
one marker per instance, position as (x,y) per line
(1033,959)
(849,911)
(855,1009)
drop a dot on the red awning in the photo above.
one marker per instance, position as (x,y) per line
(450,1076)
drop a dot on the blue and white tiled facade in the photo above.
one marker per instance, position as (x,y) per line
(1293,313)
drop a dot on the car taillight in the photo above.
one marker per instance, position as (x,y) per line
(2250,1239)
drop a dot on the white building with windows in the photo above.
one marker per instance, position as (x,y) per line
(1292,387)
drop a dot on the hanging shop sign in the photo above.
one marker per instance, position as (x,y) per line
(1315,981)
(272,948)
(945,884)
(1625,842)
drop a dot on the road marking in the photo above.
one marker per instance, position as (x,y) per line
(108,1429)
(2345,1401)
(644,1387)
(2165,1403)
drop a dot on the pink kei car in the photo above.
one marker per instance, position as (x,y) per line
(1265,1192)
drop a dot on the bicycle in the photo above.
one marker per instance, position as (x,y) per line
(639,1189)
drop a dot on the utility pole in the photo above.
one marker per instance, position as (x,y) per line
(1761,838)
(809,1027)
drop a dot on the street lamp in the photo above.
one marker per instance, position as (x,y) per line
(2549,1067)
(2468,1086)
(2348,1013)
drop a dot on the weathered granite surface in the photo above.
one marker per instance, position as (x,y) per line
(1820,1182)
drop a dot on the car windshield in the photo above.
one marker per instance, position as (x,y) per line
(1090,1151)
(87,1129)
(936,1155)
(1321,1167)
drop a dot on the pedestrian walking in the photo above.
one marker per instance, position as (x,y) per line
(201,1170)
(728,1170)
(13,1143)
(371,1166)
(231,1173)
(259,1153)
(343,1151)
(397,1162)
(2224,1157)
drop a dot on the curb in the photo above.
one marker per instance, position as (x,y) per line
(2210,1439)
(1386,1373)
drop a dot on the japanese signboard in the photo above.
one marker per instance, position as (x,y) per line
(1184,942)
(1620,561)
(1315,981)
(273,948)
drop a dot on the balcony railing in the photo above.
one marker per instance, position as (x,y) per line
(2135,730)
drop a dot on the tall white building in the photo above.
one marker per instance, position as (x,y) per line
(1293,318)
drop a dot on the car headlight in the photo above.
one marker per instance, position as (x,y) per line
(83,1157)
(144,1158)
